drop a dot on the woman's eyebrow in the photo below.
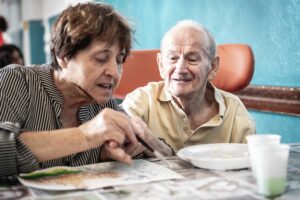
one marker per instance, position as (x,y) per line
(103,51)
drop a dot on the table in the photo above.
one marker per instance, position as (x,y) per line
(197,184)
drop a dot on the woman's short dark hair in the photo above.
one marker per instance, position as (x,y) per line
(77,26)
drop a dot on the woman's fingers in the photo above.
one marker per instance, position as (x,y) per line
(106,126)
(120,122)
(124,123)
(117,154)
(112,144)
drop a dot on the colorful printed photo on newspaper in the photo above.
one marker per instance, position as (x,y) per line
(97,176)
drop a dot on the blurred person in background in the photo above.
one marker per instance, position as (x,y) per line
(10,54)
(4,38)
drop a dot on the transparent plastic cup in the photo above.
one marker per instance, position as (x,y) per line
(257,140)
(271,168)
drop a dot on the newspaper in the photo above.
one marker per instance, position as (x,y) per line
(97,176)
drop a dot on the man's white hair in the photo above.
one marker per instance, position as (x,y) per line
(209,41)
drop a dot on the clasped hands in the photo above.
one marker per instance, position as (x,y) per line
(116,133)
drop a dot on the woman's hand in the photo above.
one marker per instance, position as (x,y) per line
(111,151)
(112,129)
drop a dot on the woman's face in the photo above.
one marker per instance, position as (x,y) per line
(96,70)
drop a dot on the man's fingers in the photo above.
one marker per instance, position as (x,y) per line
(148,153)
(134,150)
(139,126)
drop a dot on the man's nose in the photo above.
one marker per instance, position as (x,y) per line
(181,65)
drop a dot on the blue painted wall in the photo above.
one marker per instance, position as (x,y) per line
(36,38)
(271,27)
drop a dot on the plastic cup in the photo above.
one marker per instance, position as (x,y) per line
(258,140)
(271,168)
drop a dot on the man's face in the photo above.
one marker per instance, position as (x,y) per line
(184,63)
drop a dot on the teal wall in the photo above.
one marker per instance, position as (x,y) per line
(286,126)
(36,39)
(271,27)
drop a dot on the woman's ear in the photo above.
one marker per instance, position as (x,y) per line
(160,66)
(214,68)
(62,62)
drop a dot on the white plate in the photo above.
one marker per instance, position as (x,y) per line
(220,156)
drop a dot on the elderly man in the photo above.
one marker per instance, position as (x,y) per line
(186,109)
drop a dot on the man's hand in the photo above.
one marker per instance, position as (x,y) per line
(141,129)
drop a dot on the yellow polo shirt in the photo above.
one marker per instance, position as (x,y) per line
(168,121)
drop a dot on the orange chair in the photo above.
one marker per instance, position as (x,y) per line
(235,71)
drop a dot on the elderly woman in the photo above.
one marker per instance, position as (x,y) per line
(63,113)
(186,109)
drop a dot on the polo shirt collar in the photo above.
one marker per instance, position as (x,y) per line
(220,100)
(164,96)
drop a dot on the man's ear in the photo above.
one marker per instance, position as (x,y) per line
(160,66)
(214,68)
(62,62)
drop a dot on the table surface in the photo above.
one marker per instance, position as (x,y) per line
(197,184)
